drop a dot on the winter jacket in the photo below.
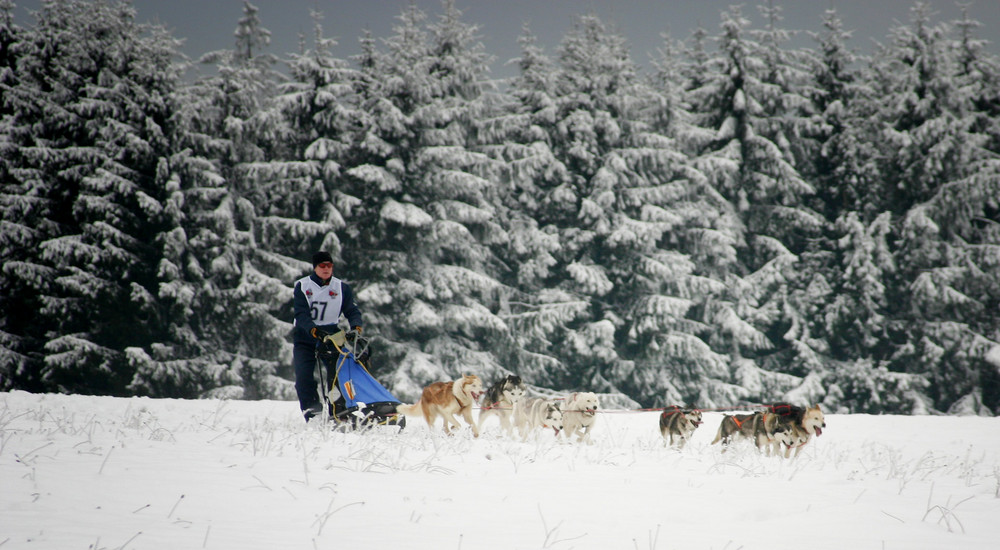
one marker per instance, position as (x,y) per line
(320,304)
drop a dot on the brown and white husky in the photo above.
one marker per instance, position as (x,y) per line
(446,399)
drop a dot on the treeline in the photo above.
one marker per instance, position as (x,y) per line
(743,222)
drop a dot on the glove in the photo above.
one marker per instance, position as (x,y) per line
(353,334)
(336,339)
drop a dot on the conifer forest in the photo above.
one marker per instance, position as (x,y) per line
(740,221)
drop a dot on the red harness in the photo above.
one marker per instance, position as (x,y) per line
(739,423)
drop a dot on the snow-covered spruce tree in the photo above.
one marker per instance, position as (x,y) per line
(754,103)
(318,109)
(9,36)
(224,287)
(787,84)
(698,62)
(788,121)
(857,328)
(516,135)
(257,135)
(587,166)
(92,103)
(595,106)
(678,276)
(670,117)
(264,264)
(844,303)
(558,319)
(307,132)
(425,222)
(941,179)
(979,236)
(23,220)
(301,195)
(235,98)
(979,71)
(843,169)
(918,126)
(855,318)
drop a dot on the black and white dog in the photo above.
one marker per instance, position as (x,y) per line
(500,399)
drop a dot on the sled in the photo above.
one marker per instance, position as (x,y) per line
(354,398)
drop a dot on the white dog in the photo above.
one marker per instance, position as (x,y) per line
(579,415)
(531,413)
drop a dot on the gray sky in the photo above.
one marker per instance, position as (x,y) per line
(208,25)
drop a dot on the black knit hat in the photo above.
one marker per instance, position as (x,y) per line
(321,257)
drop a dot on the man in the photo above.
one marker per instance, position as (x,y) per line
(318,300)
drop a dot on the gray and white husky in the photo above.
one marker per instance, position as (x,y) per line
(532,413)
(677,425)
(751,426)
(500,399)
(792,427)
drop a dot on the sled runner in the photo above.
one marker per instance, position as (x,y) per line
(353,397)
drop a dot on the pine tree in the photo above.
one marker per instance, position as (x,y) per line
(844,169)
(516,137)
(588,167)
(92,105)
(857,327)
(719,105)
(753,104)
(307,192)
(432,292)
(264,263)
(856,317)
(697,68)
(784,96)
(22,223)
(823,325)
(942,180)
(916,96)
(749,157)
(9,36)
(378,170)
(225,277)
(306,133)
(671,331)
(235,98)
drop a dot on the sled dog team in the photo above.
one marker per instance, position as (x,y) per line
(778,430)
(572,417)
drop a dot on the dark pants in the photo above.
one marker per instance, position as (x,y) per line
(304,362)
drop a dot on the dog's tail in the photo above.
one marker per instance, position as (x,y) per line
(721,434)
(410,410)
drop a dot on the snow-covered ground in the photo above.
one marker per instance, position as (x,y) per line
(96,472)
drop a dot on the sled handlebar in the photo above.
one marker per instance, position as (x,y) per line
(350,341)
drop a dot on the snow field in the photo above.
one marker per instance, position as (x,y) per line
(96,472)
